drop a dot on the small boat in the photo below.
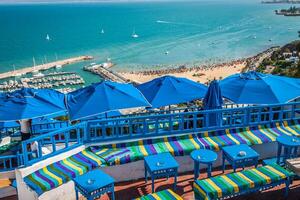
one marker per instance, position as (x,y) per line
(38,75)
(102,31)
(254,37)
(58,66)
(47,37)
(134,35)
(167,52)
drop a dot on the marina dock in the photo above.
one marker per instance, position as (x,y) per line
(106,73)
(44,66)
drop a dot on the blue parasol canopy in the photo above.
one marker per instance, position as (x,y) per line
(257,88)
(103,97)
(29,103)
(168,90)
(213,100)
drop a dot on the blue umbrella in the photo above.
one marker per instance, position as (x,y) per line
(103,97)
(257,88)
(213,100)
(168,90)
(28,103)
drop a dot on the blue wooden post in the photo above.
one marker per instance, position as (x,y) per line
(156,125)
(86,131)
(53,143)
(194,122)
(247,117)
(40,153)
(145,126)
(170,124)
(25,153)
(182,122)
(293,111)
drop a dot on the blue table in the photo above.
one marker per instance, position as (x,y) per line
(161,165)
(93,184)
(232,155)
(203,156)
(290,146)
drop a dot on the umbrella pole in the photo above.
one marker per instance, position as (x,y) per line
(25,126)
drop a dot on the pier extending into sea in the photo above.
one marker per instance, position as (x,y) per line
(44,66)
(106,73)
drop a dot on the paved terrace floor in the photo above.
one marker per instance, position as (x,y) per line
(133,189)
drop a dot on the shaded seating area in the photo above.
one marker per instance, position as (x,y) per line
(239,183)
(93,157)
(122,153)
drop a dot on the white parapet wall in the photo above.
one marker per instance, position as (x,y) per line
(25,193)
(126,172)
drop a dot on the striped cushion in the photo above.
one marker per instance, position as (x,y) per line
(122,153)
(162,195)
(226,185)
(61,172)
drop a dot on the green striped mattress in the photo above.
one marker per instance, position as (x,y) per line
(161,195)
(230,184)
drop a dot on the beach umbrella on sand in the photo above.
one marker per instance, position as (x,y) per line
(213,100)
(103,97)
(169,90)
(29,103)
(257,88)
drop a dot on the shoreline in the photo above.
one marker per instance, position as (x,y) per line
(42,67)
(201,73)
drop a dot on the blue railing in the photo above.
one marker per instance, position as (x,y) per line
(48,127)
(10,162)
(138,127)
(187,122)
(50,144)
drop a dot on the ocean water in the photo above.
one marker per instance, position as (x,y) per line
(192,32)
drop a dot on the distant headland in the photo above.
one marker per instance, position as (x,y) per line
(281,1)
(292,11)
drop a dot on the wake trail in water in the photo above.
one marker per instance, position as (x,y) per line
(176,23)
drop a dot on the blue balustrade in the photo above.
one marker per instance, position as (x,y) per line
(48,127)
(50,144)
(10,162)
(151,125)
(188,122)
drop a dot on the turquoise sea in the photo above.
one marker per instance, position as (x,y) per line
(191,31)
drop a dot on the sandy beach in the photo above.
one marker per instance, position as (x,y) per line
(197,74)
(203,73)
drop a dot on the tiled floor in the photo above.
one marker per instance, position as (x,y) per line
(129,190)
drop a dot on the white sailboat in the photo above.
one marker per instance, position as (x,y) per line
(134,35)
(48,37)
(102,31)
(36,72)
